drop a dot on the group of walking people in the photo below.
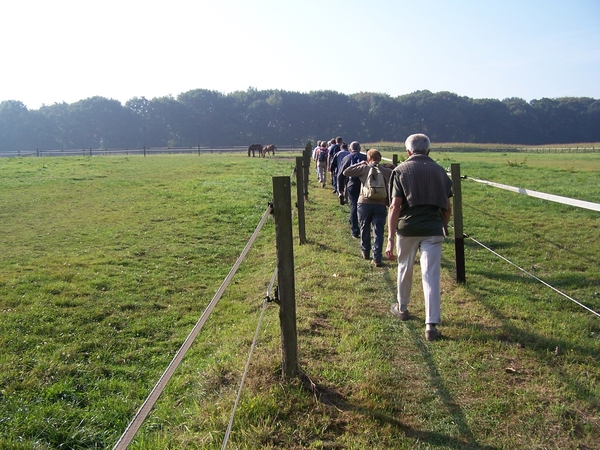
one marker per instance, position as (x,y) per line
(417,193)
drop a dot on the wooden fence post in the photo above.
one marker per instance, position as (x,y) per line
(306,167)
(459,240)
(300,200)
(282,212)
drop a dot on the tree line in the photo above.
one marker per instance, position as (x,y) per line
(210,118)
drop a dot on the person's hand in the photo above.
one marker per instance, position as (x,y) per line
(389,250)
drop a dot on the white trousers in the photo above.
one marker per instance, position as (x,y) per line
(321,171)
(431,260)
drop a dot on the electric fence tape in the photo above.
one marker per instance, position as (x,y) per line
(148,404)
(542,195)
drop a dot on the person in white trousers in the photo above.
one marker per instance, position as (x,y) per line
(420,209)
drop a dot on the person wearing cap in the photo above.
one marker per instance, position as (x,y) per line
(371,212)
(420,208)
(350,186)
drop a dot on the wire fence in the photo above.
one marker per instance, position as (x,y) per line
(148,404)
(141,151)
(150,401)
(549,197)
(548,285)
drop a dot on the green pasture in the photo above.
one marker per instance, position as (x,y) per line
(108,262)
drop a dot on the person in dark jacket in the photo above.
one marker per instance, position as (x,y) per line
(350,186)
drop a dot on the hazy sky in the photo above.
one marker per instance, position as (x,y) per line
(63,50)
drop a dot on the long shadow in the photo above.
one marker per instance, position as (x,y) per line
(509,331)
(532,232)
(330,397)
(572,280)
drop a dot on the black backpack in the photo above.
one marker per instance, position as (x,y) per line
(322,155)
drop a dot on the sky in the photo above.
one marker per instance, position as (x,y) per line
(55,51)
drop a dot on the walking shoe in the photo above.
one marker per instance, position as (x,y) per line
(342,199)
(432,334)
(366,255)
(402,315)
(355,236)
(377,263)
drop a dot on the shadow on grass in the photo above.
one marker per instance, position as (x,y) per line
(330,397)
(558,281)
(533,233)
(525,335)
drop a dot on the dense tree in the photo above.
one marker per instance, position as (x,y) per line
(205,117)
(15,125)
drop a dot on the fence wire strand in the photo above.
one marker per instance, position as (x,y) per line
(253,346)
(239,394)
(148,404)
(533,276)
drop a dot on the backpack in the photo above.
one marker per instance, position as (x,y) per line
(322,156)
(374,187)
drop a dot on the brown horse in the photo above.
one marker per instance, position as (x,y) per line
(268,149)
(255,148)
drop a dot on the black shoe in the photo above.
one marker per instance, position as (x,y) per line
(402,315)
(433,334)
(366,255)
(355,236)
(342,199)
(377,263)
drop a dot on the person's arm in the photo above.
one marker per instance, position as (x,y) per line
(448,213)
(355,170)
(393,217)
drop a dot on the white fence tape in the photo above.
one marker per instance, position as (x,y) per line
(552,198)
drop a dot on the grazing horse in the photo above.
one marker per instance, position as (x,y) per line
(255,148)
(268,149)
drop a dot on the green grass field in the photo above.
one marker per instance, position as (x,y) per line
(108,262)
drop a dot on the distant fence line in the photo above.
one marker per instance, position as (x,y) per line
(145,151)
